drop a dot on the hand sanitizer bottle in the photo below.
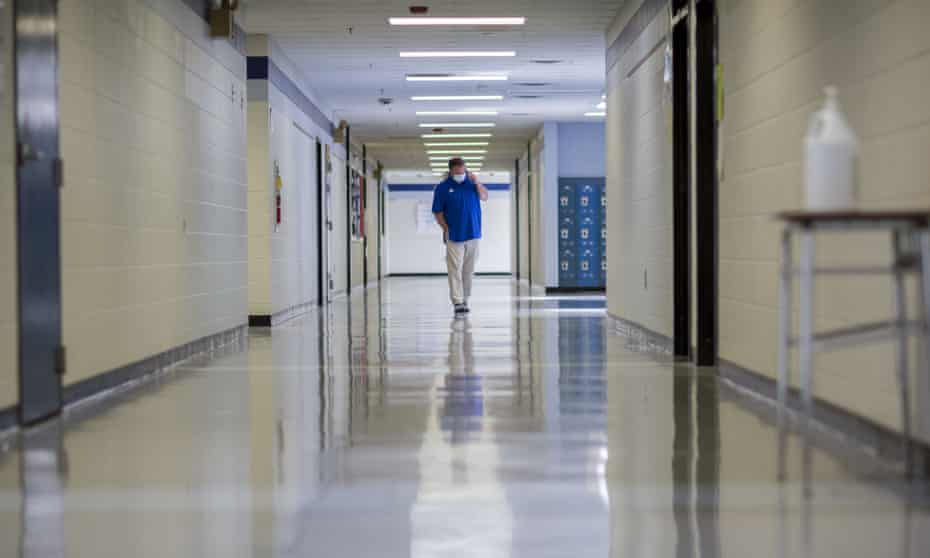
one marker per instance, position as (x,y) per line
(831,150)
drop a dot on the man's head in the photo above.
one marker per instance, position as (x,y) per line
(456,166)
(457,169)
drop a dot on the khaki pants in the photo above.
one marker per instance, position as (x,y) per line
(460,260)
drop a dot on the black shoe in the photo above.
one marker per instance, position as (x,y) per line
(460,309)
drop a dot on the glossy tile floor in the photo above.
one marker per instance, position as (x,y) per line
(382,427)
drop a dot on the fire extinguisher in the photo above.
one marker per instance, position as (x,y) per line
(278,185)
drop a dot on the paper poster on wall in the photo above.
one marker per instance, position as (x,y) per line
(426,223)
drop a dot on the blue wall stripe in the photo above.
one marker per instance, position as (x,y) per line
(262,67)
(430,187)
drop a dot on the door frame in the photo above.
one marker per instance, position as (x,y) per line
(321,226)
(681,156)
(707,186)
(38,221)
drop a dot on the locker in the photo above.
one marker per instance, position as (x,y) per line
(582,232)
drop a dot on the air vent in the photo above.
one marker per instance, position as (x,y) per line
(546,61)
(385,100)
(533,84)
(419,10)
(527,96)
(519,114)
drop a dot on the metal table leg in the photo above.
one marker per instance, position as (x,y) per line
(806,323)
(900,302)
(784,334)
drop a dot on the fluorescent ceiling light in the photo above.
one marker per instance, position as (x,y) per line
(595,114)
(456,112)
(458,54)
(467,158)
(458,98)
(602,106)
(494,77)
(459,125)
(457,152)
(440,136)
(425,20)
(456,144)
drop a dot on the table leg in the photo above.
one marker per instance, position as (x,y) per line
(806,323)
(923,239)
(784,335)
(900,302)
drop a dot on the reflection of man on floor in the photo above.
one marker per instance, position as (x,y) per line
(457,207)
(464,401)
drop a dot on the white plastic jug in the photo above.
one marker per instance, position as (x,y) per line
(832,151)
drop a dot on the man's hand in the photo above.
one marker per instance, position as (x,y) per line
(479,187)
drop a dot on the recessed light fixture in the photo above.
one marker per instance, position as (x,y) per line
(437,77)
(458,54)
(439,136)
(421,21)
(457,144)
(456,112)
(459,125)
(457,152)
(466,157)
(595,114)
(457,98)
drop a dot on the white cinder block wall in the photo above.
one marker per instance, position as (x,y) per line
(638,183)
(154,204)
(9,350)
(283,265)
(777,57)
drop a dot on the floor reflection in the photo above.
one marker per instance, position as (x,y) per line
(381,427)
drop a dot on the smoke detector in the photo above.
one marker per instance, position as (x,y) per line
(385,100)
(419,10)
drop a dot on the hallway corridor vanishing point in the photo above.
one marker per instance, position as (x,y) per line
(381,427)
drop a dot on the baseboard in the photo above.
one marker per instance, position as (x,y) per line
(278,318)
(131,373)
(841,424)
(480,274)
(836,429)
(9,418)
(575,290)
(647,340)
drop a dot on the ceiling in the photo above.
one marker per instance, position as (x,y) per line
(350,55)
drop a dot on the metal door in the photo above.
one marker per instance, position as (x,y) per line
(38,177)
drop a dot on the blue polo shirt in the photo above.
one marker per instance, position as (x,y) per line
(461,206)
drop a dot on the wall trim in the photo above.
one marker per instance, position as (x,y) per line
(477,274)
(845,430)
(570,290)
(124,377)
(650,340)
(264,68)
(838,423)
(9,418)
(281,316)
(430,187)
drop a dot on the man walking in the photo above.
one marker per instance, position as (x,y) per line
(457,207)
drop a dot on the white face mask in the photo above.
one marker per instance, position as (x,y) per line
(458,178)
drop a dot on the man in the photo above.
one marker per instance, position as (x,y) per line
(457,207)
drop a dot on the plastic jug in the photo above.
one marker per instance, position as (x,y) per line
(832,151)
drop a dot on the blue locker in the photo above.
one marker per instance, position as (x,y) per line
(582,232)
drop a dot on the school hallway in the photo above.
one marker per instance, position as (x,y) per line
(383,427)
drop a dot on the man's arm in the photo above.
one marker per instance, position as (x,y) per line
(481,189)
(441,219)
